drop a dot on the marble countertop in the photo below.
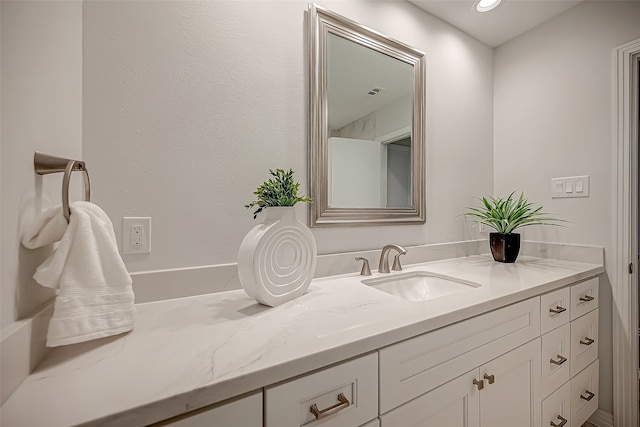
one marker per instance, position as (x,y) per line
(190,352)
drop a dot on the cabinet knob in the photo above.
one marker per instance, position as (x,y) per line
(562,422)
(560,360)
(557,310)
(587,341)
(587,298)
(343,402)
(588,397)
(490,378)
(479,384)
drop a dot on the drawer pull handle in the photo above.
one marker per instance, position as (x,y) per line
(560,360)
(343,402)
(587,298)
(479,384)
(557,310)
(490,378)
(587,341)
(563,421)
(588,397)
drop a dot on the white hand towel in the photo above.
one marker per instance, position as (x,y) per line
(95,297)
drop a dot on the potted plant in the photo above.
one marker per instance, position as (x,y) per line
(277,259)
(506,215)
(281,190)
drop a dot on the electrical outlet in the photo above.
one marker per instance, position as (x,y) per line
(136,235)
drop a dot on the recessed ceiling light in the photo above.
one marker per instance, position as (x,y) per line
(486,5)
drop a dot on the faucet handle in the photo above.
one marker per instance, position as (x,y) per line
(366,271)
(396,262)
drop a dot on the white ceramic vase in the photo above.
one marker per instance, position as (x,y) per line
(277,259)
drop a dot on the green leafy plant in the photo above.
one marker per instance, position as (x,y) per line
(281,190)
(506,214)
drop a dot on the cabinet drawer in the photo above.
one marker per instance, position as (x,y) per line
(374,423)
(556,355)
(584,341)
(556,409)
(413,367)
(584,394)
(584,297)
(289,404)
(554,309)
(246,412)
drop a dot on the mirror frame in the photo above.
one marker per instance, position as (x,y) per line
(321,23)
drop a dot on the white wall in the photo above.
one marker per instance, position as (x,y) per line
(188,104)
(553,103)
(41,105)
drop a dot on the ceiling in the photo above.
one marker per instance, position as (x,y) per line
(505,22)
(353,75)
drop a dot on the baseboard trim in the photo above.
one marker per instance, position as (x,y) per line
(601,419)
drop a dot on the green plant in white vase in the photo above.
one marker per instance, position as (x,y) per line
(277,258)
(281,190)
(505,215)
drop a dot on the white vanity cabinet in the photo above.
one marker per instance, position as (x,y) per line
(418,365)
(478,398)
(245,412)
(529,364)
(533,363)
(570,375)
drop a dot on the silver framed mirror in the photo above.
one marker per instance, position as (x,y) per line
(366,125)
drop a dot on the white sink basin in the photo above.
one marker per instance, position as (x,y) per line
(420,285)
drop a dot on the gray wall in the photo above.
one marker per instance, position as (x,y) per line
(553,110)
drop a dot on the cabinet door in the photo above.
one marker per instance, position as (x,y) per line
(453,404)
(511,388)
(245,412)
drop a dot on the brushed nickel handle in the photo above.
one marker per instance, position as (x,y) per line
(587,341)
(365,271)
(479,384)
(396,263)
(588,397)
(557,310)
(560,360)
(343,402)
(563,421)
(587,298)
(490,378)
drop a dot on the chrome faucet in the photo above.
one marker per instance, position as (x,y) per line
(383,267)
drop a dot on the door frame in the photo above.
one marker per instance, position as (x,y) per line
(625,222)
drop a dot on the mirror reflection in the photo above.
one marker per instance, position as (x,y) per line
(366,94)
(369,119)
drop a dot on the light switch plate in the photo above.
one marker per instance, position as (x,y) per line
(570,186)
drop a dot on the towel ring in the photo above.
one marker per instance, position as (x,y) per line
(66,210)
(45,164)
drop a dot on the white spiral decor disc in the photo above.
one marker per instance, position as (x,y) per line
(277,259)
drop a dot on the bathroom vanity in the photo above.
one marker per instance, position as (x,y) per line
(522,347)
